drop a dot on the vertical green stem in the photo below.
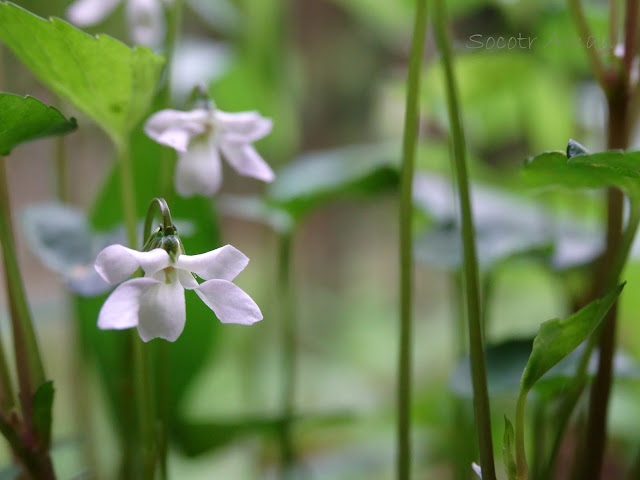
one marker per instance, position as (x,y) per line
(471,277)
(141,372)
(27,354)
(593,56)
(409,144)
(522,472)
(289,354)
(539,440)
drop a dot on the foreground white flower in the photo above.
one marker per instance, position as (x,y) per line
(145,17)
(200,136)
(476,468)
(155,303)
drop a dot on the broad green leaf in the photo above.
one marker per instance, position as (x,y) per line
(104,78)
(507,360)
(599,170)
(507,449)
(320,177)
(23,119)
(558,338)
(42,412)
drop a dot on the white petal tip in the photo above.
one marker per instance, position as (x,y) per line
(476,468)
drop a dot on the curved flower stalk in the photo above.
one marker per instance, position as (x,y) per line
(145,17)
(200,136)
(155,303)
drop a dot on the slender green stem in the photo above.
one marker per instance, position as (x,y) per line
(289,353)
(522,472)
(462,445)
(27,354)
(614,22)
(141,372)
(580,378)
(409,144)
(575,8)
(539,440)
(474,314)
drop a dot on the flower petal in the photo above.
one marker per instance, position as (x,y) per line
(162,311)
(90,12)
(146,18)
(229,302)
(242,127)
(117,263)
(224,263)
(199,171)
(175,128)
(120,310)
(246,161)
(186,279)
(476,468)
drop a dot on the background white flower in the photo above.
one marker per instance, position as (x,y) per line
(200,136)
(145,17)
(155,303)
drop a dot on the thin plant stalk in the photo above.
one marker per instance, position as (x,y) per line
(618,137)
(580,378)
(471,275)
(27,354)
(30,369)
(575,8)
(143,400)
(289,353)
(409,144)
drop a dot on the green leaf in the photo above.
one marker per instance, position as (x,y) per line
(599,170)
(42,412)
(507,360)
(507,450)
(23,119)
(108,81)
(321,177)
(558,338)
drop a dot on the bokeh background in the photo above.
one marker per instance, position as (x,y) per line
(331,74)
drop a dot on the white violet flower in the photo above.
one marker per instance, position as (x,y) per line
(155,303)
(200,136)
(145,17)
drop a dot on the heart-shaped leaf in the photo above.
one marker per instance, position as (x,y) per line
(104,78)
(23,119)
